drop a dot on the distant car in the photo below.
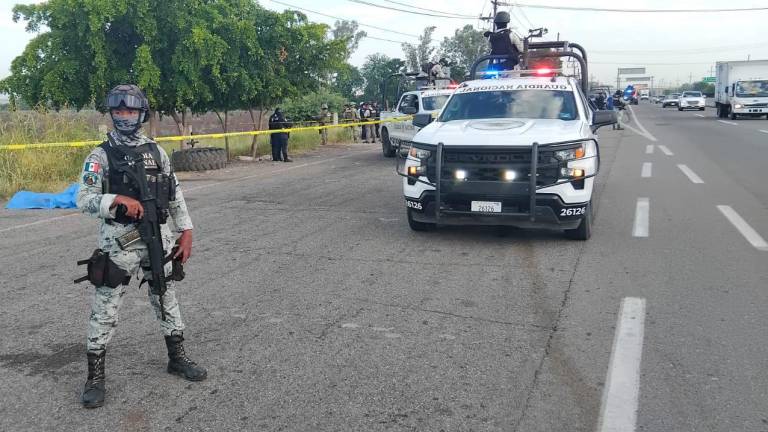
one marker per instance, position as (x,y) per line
(691,100)
(658,99)
(671,100)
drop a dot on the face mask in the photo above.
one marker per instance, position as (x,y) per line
(127,124)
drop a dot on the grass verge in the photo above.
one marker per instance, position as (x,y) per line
(52,170)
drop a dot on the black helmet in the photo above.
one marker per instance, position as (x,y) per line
(502,18)
(128,96)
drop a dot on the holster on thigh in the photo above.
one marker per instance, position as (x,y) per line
(102,271)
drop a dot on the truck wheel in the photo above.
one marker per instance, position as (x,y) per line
(679,109)
(386,145)
(584,230)
(199,159)
(416,225)
(733,115)
(701,109)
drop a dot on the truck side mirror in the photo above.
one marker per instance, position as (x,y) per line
(409,110)
(422,120)
(603,118)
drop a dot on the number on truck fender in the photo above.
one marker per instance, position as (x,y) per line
(573,211)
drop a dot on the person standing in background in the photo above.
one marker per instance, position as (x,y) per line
(279,140)
(324,118)
(350,116)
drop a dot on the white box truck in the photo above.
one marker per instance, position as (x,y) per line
(741,89)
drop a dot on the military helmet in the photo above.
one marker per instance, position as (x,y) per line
(324,106)
(502,18)
(128,96)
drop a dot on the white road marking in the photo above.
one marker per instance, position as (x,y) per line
(691,175)
(350,325)
(646,171)
(642,211)
(700,115)
(649,149)
(39,222)
(665,150)
(618,412)
(728,123)
(747,231)
(643,131)
(763,131)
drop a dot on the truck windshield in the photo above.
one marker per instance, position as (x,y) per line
(752,88)
(532,104)
(434,103)
(692,94)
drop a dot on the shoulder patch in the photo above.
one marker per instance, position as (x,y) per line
(90,179)
(92,167)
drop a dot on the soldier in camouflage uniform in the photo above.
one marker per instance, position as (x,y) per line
(129,108)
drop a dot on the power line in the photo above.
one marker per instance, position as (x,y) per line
(344,19)
(519,9)
(592,9)
(385,40)
(467,17)
(430,10)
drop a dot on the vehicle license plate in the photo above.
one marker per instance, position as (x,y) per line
(486,207)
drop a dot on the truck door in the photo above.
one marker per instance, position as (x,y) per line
(407,128)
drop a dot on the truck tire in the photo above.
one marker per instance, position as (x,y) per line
(584,230)
(733,115)
(199,159)
(416,225)
(386,144)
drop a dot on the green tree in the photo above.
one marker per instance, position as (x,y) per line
(348,81)
(416,55)
(376,69)
(348,32)
(462,49)
(307,107)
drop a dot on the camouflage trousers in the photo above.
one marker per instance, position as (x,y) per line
(107,301)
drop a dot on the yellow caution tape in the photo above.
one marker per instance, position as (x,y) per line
(9,147)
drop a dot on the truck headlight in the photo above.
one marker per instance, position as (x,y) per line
(579,161)
(738,106)
(584,150)
(419,153)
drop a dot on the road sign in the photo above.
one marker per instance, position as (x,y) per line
(632,71)
(708,79)
(637,79)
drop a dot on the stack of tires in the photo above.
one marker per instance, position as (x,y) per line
(199,159)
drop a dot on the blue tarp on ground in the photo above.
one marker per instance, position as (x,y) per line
(37,200)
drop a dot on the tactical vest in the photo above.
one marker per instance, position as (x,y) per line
(118,182)
(501,44)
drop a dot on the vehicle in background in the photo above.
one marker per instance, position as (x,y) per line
(645,95)
(658,99)
(396,136)
(510,147)
(741,89)
(691,100)
(671,100)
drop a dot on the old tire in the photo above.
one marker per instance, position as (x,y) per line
(199,159)
(416,225)
(386,145)
(584,230)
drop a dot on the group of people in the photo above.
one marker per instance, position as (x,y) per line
(363,113)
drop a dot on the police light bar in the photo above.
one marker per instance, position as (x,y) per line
(548,72)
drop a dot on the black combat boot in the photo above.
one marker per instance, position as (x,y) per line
(179,364)
(94,391)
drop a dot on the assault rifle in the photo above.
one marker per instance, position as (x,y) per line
(149,225)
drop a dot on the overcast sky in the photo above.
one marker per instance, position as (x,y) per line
(690,43)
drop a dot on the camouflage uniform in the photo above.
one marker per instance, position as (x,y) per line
(92,201)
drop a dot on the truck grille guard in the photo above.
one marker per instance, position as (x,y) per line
(533,186)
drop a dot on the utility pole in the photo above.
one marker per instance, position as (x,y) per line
(495,9)
(690,78)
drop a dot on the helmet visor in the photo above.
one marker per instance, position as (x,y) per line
(128,100)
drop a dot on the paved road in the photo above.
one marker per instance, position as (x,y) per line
(316,308)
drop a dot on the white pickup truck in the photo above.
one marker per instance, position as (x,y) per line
(520,151)
(399,134)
